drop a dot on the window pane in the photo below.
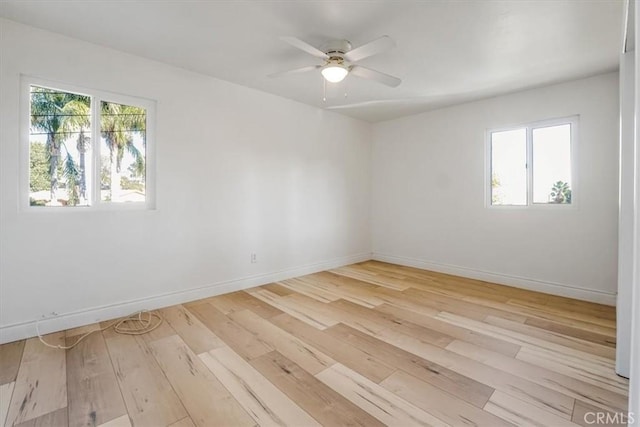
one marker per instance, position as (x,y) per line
(59,148)
(552,164)
(122,152)
(509,167)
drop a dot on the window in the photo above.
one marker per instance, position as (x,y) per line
(532,164)
(86,148)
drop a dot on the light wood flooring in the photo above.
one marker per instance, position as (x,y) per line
(367,344)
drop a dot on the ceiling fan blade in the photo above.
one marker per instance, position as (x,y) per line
(295,42)
(372,48)
(361,104)
(295,71)
(379,103)
(400,102)
(367,73)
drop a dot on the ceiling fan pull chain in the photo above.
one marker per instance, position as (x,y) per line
(324,90)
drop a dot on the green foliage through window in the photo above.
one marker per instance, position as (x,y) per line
(560,193)
(58,122)
(39,178)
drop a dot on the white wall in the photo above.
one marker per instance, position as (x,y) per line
(238,171)
(429,194)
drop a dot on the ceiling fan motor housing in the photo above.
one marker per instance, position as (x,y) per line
(337,48)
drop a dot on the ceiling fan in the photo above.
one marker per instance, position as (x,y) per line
(339,60)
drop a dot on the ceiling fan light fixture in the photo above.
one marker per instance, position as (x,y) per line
(334,73)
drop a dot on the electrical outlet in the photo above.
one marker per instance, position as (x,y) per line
(254,259)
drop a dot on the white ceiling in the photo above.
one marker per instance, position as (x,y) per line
(447,51)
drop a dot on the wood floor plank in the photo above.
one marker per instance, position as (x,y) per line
(481,289)
(225,303)
(371,277)
(122,421)
(256,305)
(559,303)
(564,384)
(520,339)
(41,384)
(521,413)
(52,419)
(399,300)
(602,366)
(277,289)
(291,307)
(587,415)
(360,361)
(148,396)
(266,404)
(491,343)
(305,355)
(451,287)
(540,396)
(191,330)
(237,301)
(203,396)
(438,300)
(583,370)
(350,289)
(468,287)
(92,389)
(433,400)
(523,312)
(301,286)
(566,330)
(450,381)
(10,356)
(570,314)
(234,335)
(344,288)
(185,422)
(376,400)
(6,391)
(391,271)
(319,311)
(490,295)
(456,305)
(571,342)
(390,321)
(322,402)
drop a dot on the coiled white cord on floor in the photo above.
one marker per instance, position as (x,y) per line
(138,323)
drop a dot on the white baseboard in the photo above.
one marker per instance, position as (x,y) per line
(78,318)
(503,279)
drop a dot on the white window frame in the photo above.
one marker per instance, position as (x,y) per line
(574,121)
(93,190)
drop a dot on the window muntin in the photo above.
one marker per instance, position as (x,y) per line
(75,133)
(532,164)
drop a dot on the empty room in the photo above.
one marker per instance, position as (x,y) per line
(319,213)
